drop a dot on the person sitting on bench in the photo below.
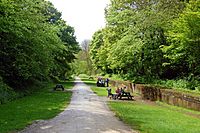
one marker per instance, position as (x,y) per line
(124,93)
(118,92)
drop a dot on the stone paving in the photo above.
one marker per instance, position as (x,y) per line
(87,113)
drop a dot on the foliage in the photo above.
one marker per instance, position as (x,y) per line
(35,43)
(184,39)
(85,49)
(83,64)
(83,76)
(80,65)
(6,93)
(95,45)
(149,40)
(132,37)
(43,104)
(179,84)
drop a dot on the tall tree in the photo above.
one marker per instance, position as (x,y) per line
(133,35)
(184,39)
(29,36)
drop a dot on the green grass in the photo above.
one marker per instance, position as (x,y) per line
(155,119)
(43,104)
(90,82)
(100,91)
(180,109)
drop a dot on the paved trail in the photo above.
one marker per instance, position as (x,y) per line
(87,113)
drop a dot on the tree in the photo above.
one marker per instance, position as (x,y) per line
(185,41)
(135,30)
(95,44)
(33,37)
(86,48)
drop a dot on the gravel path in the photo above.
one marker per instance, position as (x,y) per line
(87,113)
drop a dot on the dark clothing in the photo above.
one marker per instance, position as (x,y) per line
(107,82)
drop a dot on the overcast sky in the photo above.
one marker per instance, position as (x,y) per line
(86,16)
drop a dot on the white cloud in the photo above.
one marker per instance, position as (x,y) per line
(86,16)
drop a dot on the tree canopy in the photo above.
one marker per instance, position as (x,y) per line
(155,39)
(35,42)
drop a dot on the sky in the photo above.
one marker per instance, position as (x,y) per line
(86,16)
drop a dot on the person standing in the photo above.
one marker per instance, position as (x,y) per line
(107,82)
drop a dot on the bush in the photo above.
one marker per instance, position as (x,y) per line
(179,84)
(6,93)
(116,77)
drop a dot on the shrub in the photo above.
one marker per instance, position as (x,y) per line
(6,93)
(179,84)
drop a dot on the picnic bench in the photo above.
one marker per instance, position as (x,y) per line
(125,94)
(59,86)
(120,95)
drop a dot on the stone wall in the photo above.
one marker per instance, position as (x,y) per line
(166,95)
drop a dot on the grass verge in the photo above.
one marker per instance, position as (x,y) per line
(43,104)
(100,91)
(90,82)
(155,118)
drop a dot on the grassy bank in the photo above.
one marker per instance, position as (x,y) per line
(43,104)
(153,118)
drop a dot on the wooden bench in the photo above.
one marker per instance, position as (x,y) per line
(119,96)
(59,86)
(125,94)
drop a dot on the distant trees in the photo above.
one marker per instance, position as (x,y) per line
(35,42)
(96,48)
(85,48)
(155,39)
(83,64)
